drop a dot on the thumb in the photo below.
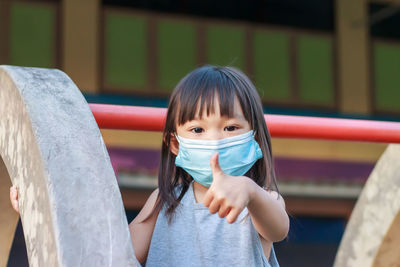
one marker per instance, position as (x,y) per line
(216,169)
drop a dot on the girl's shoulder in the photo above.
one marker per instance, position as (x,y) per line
(148,207)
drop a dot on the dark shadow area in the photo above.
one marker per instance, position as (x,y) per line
(312,242)
(306,14)
(305,255)
(18,256)
(384,20)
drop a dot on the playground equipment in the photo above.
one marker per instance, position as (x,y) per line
(71,207)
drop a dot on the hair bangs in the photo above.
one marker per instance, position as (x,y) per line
(202,91)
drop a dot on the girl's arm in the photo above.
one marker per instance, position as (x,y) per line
(142,231)
(267,210)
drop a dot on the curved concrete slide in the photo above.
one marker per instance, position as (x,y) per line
(71,207)
(372,236)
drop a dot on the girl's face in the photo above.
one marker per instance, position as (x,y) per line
(213,126)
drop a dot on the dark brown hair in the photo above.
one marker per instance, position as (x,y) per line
(195,93)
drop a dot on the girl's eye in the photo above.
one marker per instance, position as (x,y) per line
(197,130)
(230,128)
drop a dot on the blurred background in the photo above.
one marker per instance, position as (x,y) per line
(329,58)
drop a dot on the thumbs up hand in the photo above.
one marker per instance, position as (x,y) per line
(228,195)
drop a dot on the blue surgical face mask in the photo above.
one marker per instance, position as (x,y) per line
(237,155)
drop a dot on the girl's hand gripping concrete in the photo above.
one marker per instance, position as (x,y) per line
(14,198)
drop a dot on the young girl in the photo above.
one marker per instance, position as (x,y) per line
(217,203)
(216,158)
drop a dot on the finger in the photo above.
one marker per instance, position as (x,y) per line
(224,210)
(214,163)
(14,198)
(14,204)
(208,198)
(13,192)
(232,215)
(214,206)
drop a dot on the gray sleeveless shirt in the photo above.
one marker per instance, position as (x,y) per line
(196,237)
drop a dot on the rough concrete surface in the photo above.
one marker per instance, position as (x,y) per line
(71,207)
(372,236)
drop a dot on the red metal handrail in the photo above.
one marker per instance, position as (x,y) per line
(153,119)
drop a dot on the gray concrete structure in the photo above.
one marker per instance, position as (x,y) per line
(52,149)
(372,236)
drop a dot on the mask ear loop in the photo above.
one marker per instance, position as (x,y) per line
(177,137)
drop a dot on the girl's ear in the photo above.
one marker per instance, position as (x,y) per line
(174,145)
